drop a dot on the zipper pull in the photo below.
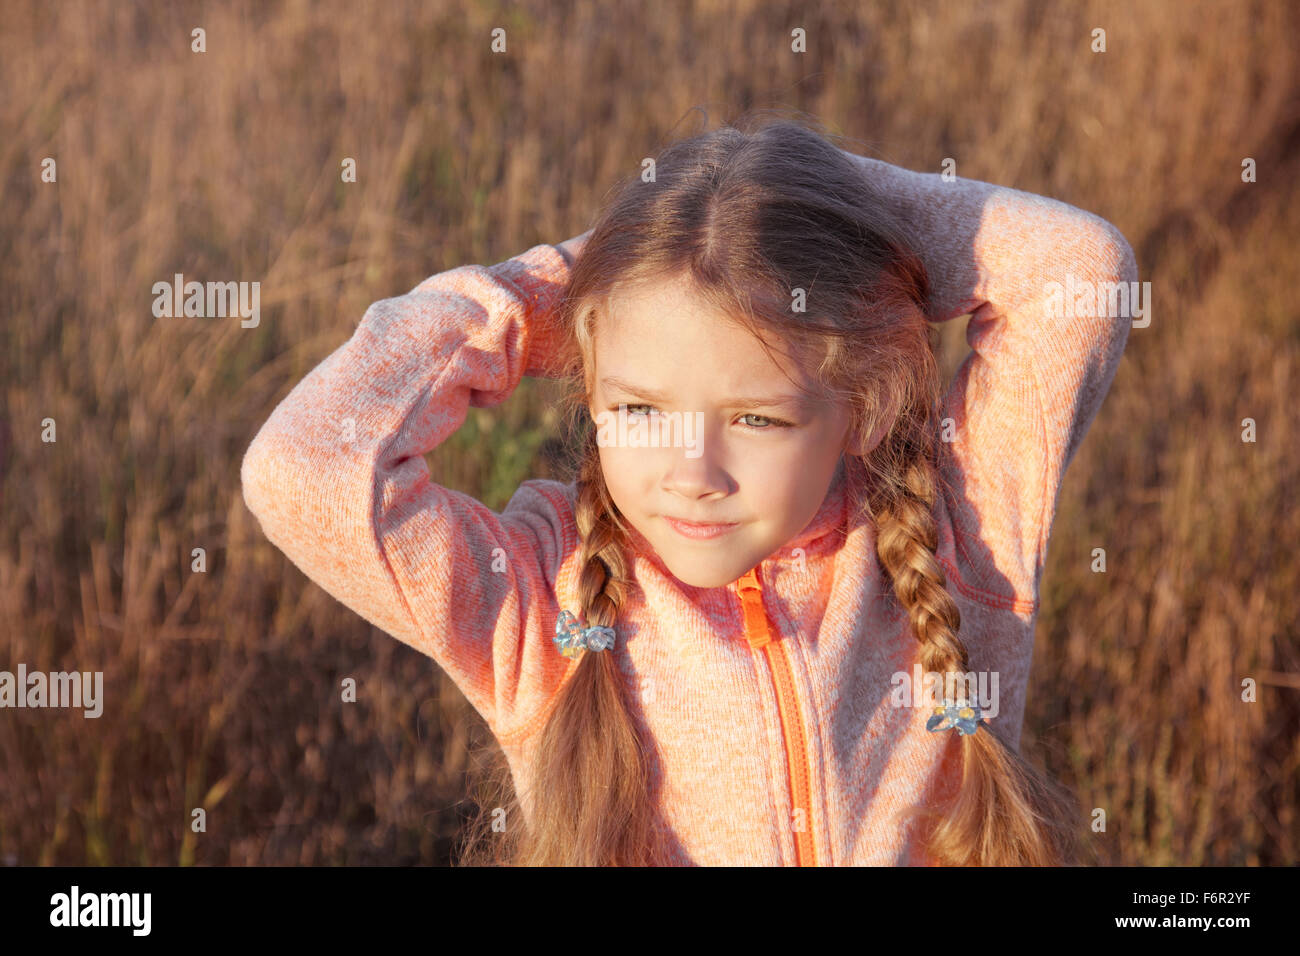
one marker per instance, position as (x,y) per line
(751,603)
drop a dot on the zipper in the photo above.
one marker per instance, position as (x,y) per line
(759,636)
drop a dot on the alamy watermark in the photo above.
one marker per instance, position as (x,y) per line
(75,908)
(929,689)
(1082,297)
(215,300)
(664,430)
(56,689)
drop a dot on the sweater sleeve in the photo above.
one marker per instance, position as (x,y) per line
(336,479)
(1041,359)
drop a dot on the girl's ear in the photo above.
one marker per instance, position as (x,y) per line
(862,447)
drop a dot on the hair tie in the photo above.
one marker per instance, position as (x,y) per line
(963,714)
(571,637)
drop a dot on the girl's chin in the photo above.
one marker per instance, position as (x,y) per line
(702,574)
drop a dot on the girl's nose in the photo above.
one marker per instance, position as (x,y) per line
(698,474)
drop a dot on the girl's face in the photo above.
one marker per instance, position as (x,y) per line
(726,437)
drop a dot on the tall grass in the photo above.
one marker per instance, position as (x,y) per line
(222,687)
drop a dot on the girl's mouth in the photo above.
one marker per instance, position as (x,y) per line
(690,529)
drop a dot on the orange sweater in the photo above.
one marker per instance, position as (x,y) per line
(768,699)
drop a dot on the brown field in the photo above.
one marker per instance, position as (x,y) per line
(221,687)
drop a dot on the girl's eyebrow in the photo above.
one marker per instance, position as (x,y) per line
(614,382)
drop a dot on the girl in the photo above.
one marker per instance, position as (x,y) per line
(706,648)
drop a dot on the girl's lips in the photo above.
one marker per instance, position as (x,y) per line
(689,530)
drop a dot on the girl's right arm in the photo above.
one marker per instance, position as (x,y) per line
(1022,401)
(337,481)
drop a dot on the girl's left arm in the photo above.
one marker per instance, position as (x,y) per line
(1051,290)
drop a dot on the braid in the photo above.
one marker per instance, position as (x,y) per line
(589,787)
(1005,812)
(603,576)
(906,543)
(592,805)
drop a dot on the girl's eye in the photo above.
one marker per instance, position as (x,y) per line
(770,422)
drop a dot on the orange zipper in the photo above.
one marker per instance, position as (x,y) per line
(760,635)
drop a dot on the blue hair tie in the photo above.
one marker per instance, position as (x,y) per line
(963,714)
(571,637)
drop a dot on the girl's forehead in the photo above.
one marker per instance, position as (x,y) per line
(636,318)
(652,298)
(677,310)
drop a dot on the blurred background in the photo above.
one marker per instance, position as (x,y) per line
(221,688)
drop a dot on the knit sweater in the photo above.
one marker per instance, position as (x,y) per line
(765,703)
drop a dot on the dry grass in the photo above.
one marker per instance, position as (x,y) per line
(222,687)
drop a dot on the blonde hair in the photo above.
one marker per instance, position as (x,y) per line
(747,213)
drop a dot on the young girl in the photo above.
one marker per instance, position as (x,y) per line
(742,693)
